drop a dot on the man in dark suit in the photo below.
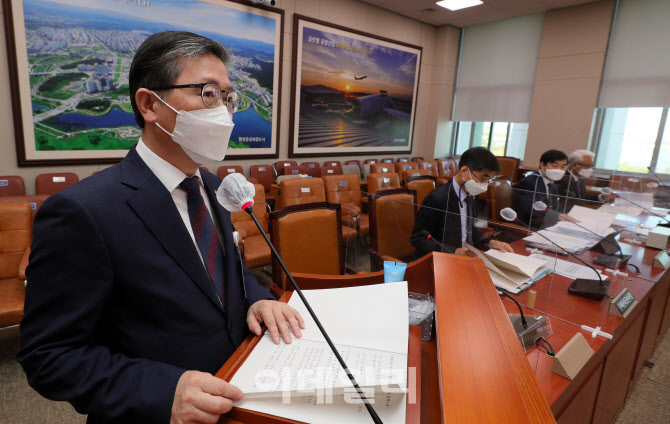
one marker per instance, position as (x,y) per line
(448,213)
(136,294)
(542,186)
(580,166)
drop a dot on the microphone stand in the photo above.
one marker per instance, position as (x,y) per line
(602,283)
(666,224)
(368,406)
(621,256)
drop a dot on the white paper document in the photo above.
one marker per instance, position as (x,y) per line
(304,381)
(569,243)
(628,210)
(591,218)
(629,198)
(567,268)
(585,231)
(510,271)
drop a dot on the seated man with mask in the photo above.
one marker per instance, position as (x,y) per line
(542,186)
(448,213)
(580,166)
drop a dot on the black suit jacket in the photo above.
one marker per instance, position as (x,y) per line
(118,302)
(440,215)
(532,189)
(576,191)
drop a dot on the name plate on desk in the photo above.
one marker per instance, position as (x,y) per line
(622,304)
(572,358)
(662,260)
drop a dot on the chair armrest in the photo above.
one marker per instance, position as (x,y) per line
(24,263)
(350,209)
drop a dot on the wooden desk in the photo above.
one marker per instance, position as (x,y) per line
(599,391)
(474,369)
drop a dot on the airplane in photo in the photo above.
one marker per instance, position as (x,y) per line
(360,78)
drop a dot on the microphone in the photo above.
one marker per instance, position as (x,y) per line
(608,190)
(579,286)
(427,235)
(540,205)
(524,323)
(236,193)
(660,180)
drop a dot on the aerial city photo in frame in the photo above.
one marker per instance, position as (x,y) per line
(353,92)
(69,62)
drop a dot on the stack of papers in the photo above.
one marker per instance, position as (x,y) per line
(566,242)
(304,381)
(569,269)
(629,198)
(510,271)
(591,218)
(629,210)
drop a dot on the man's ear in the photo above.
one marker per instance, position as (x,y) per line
(463,168)
(147,103)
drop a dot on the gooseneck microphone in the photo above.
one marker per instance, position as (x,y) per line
(502,292)
(608,190)
(509,214)
(427,235)
(236,193)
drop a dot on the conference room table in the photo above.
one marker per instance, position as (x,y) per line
(597,394)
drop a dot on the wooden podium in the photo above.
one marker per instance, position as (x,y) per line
(473,370)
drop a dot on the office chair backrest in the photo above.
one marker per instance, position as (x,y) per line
(352,169)
(422,187)
(55,182)
(12,185)
(429,165)
(313,169)
(370,161)
(223,171)
(509,167)
(298,191)
(387,160)
(403,159)
(281,164)
(331,170)
(392,215)
(295,169)
(309,239)
(35,201)
(343,189)
(16,232)
(383,181)
(265,175)
(382,168)
(354,162)
(414,173)
(405,166)
(499,197)
(417,158)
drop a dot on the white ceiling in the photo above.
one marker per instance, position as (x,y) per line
(491,10)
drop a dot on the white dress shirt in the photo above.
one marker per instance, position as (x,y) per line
(171,177)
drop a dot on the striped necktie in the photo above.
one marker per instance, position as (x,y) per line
(470,220)
(205,234)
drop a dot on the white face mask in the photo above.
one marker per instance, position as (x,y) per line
(474,188)
(555,174)
(203,134)
(586,172)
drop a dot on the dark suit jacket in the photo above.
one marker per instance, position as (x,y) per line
(576,191)
(118,302)
(532,189)
(440,215)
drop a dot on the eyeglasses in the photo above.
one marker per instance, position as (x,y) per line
(211,95)
(484,179)
(584,166)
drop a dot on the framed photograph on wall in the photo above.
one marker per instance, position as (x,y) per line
(353,92)
(69,62)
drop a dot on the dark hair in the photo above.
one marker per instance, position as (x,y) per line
(157,61)
(552,156)
(478,159)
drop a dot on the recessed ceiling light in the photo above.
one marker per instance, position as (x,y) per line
(459,4)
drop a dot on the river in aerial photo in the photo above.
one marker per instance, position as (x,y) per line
(247,124)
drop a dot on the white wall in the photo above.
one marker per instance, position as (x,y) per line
(434,96)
